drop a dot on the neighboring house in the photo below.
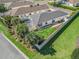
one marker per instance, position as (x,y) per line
(71,2)
(15,5)
(46,18)
(8,1)
(19,4)
(32,9)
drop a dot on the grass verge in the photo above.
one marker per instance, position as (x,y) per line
(25,50)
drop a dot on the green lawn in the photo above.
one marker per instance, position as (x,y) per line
(27,52)
(45,32)
(62,48)
(65,44)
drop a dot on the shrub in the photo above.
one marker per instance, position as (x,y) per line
(3,8)
(63,6)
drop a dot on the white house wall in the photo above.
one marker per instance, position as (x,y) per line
(69,4)
(43,24)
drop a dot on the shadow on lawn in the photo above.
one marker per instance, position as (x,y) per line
(75,54)
(48,51)
(61,31)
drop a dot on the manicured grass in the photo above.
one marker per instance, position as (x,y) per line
(45,32)
(65,43)
(62,48)
(26,51)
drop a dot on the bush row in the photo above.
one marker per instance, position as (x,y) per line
(63,6)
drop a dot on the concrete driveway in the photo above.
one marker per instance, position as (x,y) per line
(8,51)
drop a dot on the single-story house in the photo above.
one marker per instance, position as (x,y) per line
(8,1)
(14,5)
(71,2)
(19,4)
(46,18)
(32,9)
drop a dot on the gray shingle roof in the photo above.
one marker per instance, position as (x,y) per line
(35,19)
(6,1)
(20,3)
(24,10)
(44,17)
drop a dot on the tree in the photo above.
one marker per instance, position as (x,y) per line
(15,21)
(34,39)
(22,30)
(7,21)
(3,8)
(54,2)
(10,20)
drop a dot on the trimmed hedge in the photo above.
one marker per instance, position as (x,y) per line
(67,7)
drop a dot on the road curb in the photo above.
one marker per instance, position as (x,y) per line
(26,57)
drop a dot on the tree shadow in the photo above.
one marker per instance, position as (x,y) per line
(75,54)
(59,32)
(48,51)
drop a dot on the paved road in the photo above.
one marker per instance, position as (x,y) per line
(8,51)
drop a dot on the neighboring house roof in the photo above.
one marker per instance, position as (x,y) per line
(25,10)
(73,1)
(20,3)
(6,1)
(46,16)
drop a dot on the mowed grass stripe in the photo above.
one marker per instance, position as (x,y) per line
(66,43)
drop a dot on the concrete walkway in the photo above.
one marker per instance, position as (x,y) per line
(8,50)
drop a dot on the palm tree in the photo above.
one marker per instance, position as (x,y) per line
(7,20)
(22,30)
(2,20)
(11,20)
(34,39)
(15,21)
